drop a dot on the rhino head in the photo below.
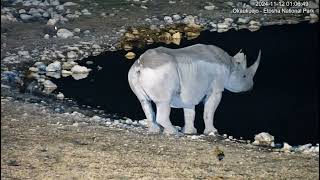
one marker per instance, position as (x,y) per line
(241,77)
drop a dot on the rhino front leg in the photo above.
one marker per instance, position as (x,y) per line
(189,115)
(163,118)
(210,107)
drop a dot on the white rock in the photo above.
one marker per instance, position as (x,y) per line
(189,20)
(286,147)
(77,69)
(222,26)
(66,73)
(52,22)
(144,122)
(72,55)
(72,16)
(209,8)
(79,76)
(253,2)
(55,66)
(40,65)
(128,121)
(33,11)
(176,17)
(55,74)
(243,20)
(64,33)
(73,48)
(60,96)
(60,7)
(304,147)
(256,23)
(85,12)
(116,121)
(311,149)
(228,20)
(33,69)
(168,19)
(314,16)
(49,86)
(75,113)
(230,3)
(70,4)
(76,30)
(27,3)
(96,46)
(263,139)
(54,2)
(253,27)
(45,14)
(25,17)
(195,137)
(86,32)
(22,11)
(213,25)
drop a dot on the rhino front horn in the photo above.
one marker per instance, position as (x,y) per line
(253,68)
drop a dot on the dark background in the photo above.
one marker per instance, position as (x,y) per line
(283,102)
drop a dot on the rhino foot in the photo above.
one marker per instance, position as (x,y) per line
(154,129)
(170,131)
(191,130)
(210,131)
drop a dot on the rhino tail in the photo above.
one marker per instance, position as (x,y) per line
(135,85)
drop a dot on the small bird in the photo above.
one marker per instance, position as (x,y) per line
(218,153)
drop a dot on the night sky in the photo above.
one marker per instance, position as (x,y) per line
(284,100)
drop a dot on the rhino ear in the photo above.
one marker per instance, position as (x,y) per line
(240,59)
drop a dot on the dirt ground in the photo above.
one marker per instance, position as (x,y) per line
(41,140)
(37,143)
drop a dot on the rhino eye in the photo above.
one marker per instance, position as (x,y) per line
(244,76)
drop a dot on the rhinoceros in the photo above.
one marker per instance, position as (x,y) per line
(182,78)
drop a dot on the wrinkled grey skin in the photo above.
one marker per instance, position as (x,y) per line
(182,78)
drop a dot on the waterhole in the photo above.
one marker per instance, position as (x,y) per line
(284,100)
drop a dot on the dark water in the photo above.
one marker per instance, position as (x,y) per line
(284,101)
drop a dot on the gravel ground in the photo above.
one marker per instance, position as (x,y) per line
(37,143)
(43,139)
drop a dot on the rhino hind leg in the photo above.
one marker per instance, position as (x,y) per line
(144,101)
(163,118)
(153,127)
(210,106)
(189,115)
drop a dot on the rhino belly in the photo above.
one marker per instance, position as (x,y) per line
(194,84)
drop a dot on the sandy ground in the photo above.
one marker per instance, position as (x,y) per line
(37,143)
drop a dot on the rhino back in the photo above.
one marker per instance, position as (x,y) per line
(154,58)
